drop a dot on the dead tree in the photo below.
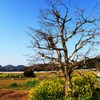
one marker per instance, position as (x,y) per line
(58,29)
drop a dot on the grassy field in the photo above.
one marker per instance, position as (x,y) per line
(6,82)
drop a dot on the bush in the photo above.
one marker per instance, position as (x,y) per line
(14,84)
(31,83)
(47,90)
(96,94)
(82,87)
(27,85)
(29,73)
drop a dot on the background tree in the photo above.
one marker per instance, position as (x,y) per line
(59,27)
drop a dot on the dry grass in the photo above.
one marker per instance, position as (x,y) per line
(46,75)
(5,82)
(82,72)
(8,82)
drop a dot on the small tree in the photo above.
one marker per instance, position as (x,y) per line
(58,29)
(29,73)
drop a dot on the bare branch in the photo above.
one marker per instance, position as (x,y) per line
(48,57)
(82,43)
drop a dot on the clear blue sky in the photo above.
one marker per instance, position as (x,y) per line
(15,16)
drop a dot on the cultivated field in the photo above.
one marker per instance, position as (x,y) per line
(18,88)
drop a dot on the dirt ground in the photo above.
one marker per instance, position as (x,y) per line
(6,94)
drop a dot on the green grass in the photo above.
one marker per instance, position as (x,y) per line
(26,85)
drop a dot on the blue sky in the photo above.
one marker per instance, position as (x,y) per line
(15,17)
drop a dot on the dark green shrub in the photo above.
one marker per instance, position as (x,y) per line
(14,84)
(29,73)
(31,83)
(96,94)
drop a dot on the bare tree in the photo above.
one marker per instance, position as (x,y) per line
(59,28)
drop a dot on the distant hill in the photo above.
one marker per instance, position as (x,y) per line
(19,67)
(11,68)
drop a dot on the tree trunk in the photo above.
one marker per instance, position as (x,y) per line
(67,82)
